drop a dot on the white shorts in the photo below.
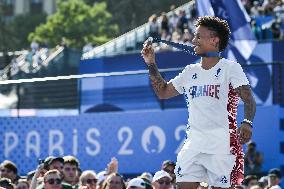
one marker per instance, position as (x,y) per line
(215,169)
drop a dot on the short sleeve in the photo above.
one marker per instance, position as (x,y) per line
(178,81)
(237,76)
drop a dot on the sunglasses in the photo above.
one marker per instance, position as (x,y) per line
(164,182)
(54,181)
(169,171)
(5,170)
(115,182)
(91,181)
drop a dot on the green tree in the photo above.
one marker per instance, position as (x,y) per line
(76,23)
(21,26)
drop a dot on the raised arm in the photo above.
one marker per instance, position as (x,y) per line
(160,86)
(245,129)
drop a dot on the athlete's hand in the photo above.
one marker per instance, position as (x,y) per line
(148,52)
(245,133)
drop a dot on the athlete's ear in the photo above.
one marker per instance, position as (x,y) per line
(215,41)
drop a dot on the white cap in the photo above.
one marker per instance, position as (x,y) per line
(160,174)
(147,176)
(138,182)
(101,176)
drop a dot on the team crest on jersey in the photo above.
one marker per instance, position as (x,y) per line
(178,172)
(218,73)
(194,76)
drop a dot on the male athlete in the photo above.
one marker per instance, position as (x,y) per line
(212,151)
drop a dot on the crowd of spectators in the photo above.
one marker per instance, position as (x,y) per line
(175,26)
(65,173)
(267,22)
(267,18)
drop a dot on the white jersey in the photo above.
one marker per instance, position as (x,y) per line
(212,105)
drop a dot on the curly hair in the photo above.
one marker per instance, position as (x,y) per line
(217,25)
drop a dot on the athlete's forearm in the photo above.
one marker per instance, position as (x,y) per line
(157,81)
(249,102)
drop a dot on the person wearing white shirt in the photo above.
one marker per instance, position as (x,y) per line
(212,152)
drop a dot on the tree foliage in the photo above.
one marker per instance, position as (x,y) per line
(130,14)
(76,23)
(22,25)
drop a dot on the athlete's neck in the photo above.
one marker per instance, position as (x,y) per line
(209,62)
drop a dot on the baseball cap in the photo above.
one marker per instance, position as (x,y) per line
(275,173)
(9,165)
(160,174)
(137,182)
(147,176)
(50,159)
(101,176)
(263,179)
(168,162)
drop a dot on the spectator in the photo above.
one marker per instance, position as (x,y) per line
(88,180)
(9,170)
(6,183)
(136,183)
(114,181)
(256,30)
(165,23)
(22,184)
(101,178)
(263,182)
(253,160)
(192,19)
(274,179)
(34,46)
(162,180)
(255,187)
(182,22)
(187,37)
(173,22)
(88,47)
(169,167)
(52,180)
(30,176)
(52,162)
(154,26)
(249,181)
(276,31)
(254,9)
(176,37)
(147,177)
(70,170)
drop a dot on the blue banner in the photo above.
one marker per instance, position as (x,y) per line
(140,140)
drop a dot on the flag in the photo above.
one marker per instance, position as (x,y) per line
(241,44)
(242,37)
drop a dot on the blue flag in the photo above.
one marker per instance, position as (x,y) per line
(233,11)
(241,44)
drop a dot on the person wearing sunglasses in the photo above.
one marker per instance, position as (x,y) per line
(169,167)
(88,180)
(52,180)
(162,180)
